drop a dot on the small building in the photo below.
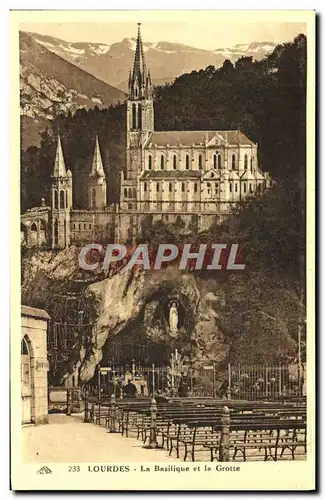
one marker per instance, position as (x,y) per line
(34,365)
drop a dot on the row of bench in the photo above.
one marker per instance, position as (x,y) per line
(238,431)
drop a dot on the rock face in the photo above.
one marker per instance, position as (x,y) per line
(218,321)
(144,299)
(50,85)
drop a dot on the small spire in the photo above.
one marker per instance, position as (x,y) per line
(59,169)
(97,164)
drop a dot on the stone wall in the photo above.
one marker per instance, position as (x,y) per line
(34,330)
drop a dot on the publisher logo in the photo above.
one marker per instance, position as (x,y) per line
(44,470)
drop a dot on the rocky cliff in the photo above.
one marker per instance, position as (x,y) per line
(219,320)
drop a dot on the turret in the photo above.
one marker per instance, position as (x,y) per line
(61,200)
(97,181)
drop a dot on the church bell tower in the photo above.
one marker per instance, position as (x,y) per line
(140,112)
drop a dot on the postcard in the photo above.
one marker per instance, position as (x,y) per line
(163,303)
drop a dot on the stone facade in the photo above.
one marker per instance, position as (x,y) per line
(34,365)
(200,173)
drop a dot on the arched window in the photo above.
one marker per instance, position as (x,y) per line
(200,162)
(195,188)
(149,162)
(250,187)
(24,347)
(217,187)
(230,187)
(251,164)
(183,187)
(162,162)
(219,161)
(139,117)
(209,187)
(174,162)
(157,187)
(245,162)
(33,227)
(233,161)
(187,162)
(134,116)
(214,161)
(244,187)
(56,232)
(125,193)
(236,187)
(56,199)
(170,187)
(145,187)
(93,197)
(61,199)
(134,193)
(66,199)
(130,193)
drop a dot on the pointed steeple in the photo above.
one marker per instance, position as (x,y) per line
(139,65)
(97,168)
(59,169)
(139,81)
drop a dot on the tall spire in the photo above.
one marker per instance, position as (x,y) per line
(59,169)
(139,65)
(97,164)
(139,81)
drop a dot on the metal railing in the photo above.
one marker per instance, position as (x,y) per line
(254,382)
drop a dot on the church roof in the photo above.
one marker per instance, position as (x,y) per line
(59,169)
(233,176)
(258,175)
(197,138)
(248,175)
(33,311)
(171,174)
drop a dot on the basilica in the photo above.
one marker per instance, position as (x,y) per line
(195,175)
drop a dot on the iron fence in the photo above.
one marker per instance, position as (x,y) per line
(253,382)
(240,381)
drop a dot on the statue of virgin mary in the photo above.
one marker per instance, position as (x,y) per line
(173,317)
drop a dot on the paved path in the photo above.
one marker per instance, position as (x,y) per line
(68,439)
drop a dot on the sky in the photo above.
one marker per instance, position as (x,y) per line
(206,35)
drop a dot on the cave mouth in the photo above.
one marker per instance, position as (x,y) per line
(132,346)
(146,338)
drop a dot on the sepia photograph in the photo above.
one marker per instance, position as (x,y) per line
(164,288)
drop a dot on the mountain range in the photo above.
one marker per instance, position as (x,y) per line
(111,63)
(58,76)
